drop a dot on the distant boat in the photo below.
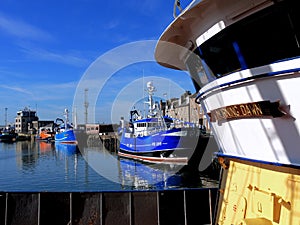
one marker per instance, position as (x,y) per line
(8,135)
(45,135)
(155,138)
(64,131)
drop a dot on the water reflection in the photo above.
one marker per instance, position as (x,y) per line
(46,166)
(27,154)
(140,175)
(132,174)
(45,147)
(66,149)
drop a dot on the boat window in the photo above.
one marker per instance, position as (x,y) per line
(199,71)
(265,37)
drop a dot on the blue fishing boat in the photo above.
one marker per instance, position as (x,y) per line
(155,138)
(64,130)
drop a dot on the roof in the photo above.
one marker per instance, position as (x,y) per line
(179,39)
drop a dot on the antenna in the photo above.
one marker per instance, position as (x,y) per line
(86,105)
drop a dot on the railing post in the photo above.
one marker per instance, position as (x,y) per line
(130,208)
(39,208)
(101,208)
(184,207)
(157,205)
(6,205)
(71,209)
(210,208)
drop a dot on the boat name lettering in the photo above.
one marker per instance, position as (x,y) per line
(156,143)
(246,110)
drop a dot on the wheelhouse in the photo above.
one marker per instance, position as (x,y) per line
(251,42)
(149,125)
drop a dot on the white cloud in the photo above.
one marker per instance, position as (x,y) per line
(16,89)
(64,58)
(112,24)
(21,29)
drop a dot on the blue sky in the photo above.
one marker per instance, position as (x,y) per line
(48,46)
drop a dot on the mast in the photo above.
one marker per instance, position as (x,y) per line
(150,89)
(86,105)
(67,118)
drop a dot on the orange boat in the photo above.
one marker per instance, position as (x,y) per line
(46,135)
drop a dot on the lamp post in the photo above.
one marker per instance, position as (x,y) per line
(5,117)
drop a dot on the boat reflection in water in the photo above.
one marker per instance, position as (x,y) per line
(67,149)
(137,175)
(45,147)
(141,175)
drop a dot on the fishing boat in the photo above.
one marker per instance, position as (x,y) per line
(45,134)
(154,138)
(64,130)
(8,135)
(244,59)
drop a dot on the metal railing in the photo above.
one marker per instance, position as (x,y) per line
(188,206)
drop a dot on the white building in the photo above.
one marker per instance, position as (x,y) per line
(24,119)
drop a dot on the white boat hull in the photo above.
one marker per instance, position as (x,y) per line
(266,138)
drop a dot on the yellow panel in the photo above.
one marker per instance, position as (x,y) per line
(253,193)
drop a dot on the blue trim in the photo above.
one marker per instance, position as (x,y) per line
(65,136)
(245,79)
(239,55)
(258,161)
(147,120)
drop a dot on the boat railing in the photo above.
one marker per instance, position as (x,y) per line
(149,131)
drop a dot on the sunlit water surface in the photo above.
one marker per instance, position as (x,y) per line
(41,166)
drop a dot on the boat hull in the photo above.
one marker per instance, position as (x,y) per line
(178,146)
(241,124)
(8,137)
(155,159)
(163,141)
(67,137)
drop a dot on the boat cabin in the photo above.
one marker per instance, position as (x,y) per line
(144,127)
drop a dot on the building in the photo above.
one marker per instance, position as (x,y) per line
(197,115)
(42,124)
(88,128)
(186,110)
(24,119)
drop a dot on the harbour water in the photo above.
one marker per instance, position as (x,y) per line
(35,166)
